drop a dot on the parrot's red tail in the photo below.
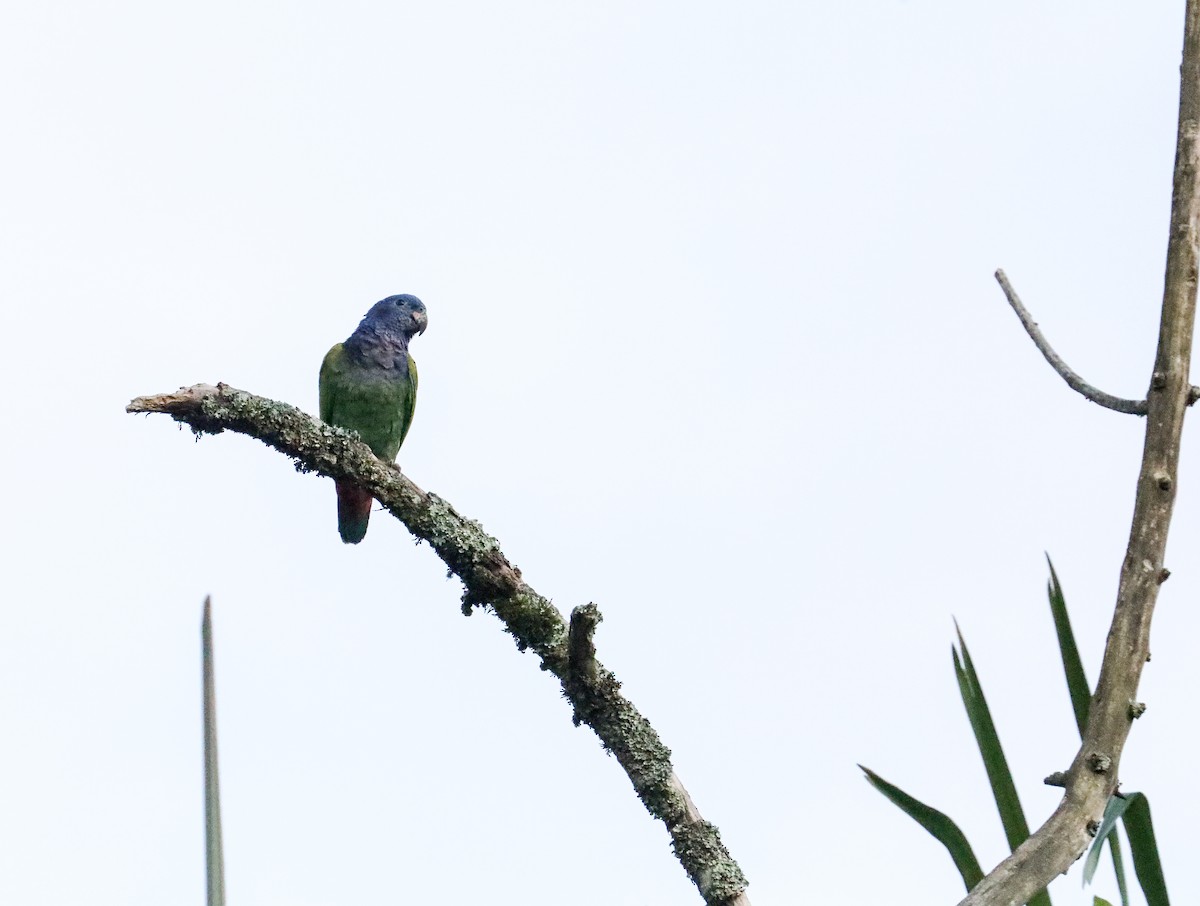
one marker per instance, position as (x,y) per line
(354,510)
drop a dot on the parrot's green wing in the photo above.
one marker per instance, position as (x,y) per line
(325,384)
(412,398)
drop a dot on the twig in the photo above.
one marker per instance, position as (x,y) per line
(1058,778)
(1074,381)
(581,650)
(1092,777)
(489,580)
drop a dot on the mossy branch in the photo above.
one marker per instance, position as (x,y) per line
(489,581)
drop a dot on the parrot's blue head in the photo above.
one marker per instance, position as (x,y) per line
(397,316)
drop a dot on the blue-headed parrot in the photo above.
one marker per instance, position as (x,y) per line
(369,384)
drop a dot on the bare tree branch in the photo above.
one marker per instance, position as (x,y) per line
(490,581)
(1074,381)
(1092,777)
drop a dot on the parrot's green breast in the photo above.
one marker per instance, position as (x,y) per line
(376,402)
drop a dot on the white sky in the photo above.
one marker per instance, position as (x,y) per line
(714,342)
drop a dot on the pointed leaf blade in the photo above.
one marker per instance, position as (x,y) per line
(1004,790)
(1012,816)
(1077,684)
(213,850)
(940,825)
(1079,691)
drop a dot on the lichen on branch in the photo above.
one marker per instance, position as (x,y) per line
(489,581)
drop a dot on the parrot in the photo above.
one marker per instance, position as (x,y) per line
(369,384)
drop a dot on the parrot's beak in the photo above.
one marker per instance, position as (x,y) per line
(422,320)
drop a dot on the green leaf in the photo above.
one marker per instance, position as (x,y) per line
(1100,901)
(213,853)
(1081,698)
(1077,684)
(1134,810)
(937,823)
(1114,848)
(1140,830)
(1112,811)
(1016,830)
(1004,791)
